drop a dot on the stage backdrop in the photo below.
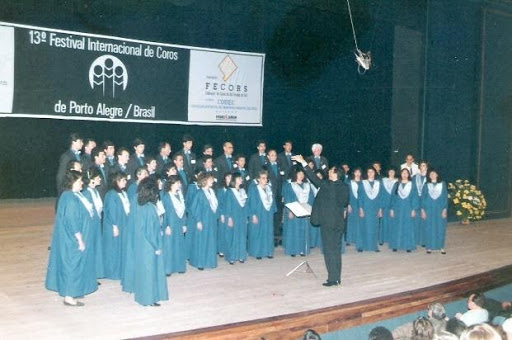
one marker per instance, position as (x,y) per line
(48,73)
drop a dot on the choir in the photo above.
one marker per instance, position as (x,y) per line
(136,218)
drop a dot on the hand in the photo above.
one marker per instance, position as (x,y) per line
(254,219)
(392,213)
(290,215)
(230,222)
(222,219)
(81,245)
(184,229)
(413,213)
(298,158)
(349,209)
(158,252)
(168,231)
(115,231)
(443,214)
(379,213)
(423,214)
(199,226)
(361,213)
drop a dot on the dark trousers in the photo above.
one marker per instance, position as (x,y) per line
(331,243)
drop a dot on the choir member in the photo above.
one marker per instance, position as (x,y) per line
(86,158)
(319,161)
(175,227)
(110,151)
(115,219)
(123,156)
(221,230)
(150,163)
(410,165)
(262,208)
(258,159)
(240,167)
(353,219)
(72,154)
(164,151)
(177,159)
(225,162)
(71,267)
(92,180)
(150,285)
(404,204)
(419,180)
(204,211)
(235,213)
(296,229)
(370,211)
(189,158)
(140,173)
(284,159)
(386,225)
(434,205)
(99,158)
(136,159)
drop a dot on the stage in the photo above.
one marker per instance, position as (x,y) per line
(232,298)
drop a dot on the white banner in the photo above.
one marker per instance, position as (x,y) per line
(7,68)
(225,88)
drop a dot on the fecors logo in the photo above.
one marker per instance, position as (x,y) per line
(109,73)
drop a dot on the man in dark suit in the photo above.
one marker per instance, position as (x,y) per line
(239,166)
(275,176)
(329,213)
(284,159)
(98,157)
(136,159)
(110,154)
(185,180)
(87,160)
(72,154)
(189,158)
(164,151)
(258,159)
(224,163)
(123,157)
(320,162)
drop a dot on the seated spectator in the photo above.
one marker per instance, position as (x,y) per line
(481,331)
(476,313)
(436,315)
(507,328)
(422,329)
(497,309)
(380,333)
(455,326)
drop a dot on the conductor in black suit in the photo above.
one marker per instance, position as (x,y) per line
(329,213)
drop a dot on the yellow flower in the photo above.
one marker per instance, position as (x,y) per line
(456,201)
(459,213)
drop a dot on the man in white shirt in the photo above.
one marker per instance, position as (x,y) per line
(476,313)
(410,165)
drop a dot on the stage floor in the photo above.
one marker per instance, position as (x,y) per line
(228,294)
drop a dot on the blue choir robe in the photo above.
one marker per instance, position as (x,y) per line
(261,234)
(434,199)
(236,236)
(96,229)
(295,229)
(353,219)
(114,213)
(370,200)
(191,224)
(150,284)
(386,223)
(128,249)
(403,201)
(221,230)
(72,272)
(175,258)
(132,191)
(419,182)
(203,253)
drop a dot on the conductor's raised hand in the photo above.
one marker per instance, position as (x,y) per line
(298,158)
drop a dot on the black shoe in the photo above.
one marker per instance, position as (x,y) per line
(302,254)
(231,262)
(423,245)
(394,250)
(408,251)
(221,254)
(293,255)
(258,258)
(241,261)
(99,283)
(377,251)
(181,272)
(200,268)
(78,304)
(443,252)
(156,304)
(167,275)
(381,244)
(359,250)
(429,251)
(347,244)
(270,257)
(331,283)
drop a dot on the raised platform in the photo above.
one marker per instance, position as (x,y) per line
(244,301)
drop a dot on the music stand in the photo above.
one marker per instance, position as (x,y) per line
(302,210)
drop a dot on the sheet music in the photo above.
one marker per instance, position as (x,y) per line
(299,209)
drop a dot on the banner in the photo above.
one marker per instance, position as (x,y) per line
(48,73)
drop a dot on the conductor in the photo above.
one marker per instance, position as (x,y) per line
(329,213)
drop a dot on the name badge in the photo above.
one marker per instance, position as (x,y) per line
(247,177)
(192,161)
(324,166)
(282,173)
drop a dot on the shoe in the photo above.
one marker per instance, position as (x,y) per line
(200,268)
(394,250)
(423,245)
(347,244)
(221,254)
(258,258)
(331,283)
(443,252)
(241,261)
(302,254)
(359,250)
(381,244)
(377,251)
(99,283)
(293,255)
(167,275)
(408,251)
(181,272)
(78,304)
(231,262)
(270,257)
(429,251)
(156,304)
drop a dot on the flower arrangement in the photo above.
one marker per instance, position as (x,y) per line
(468,203)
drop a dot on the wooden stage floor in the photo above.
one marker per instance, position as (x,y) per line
(226,295)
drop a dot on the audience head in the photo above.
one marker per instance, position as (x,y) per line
(405,174)
(227,180)
(391,172)
(272,155)
(380,333)
(140,173)
(423,167)
(357,174)
(240,161)
(89,144)
(481,331)
(455,326)
(409,159)
(422,329)
(178,161)
(476,301)
(335,173)
(436,311)
(207,162)
(262,177)
(169,169)
(370,172)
